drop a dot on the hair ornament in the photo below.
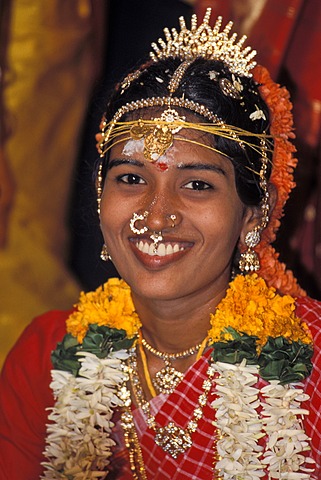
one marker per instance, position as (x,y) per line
(231,89)
(214,75)
(129,79)
(257,114)
(209,43)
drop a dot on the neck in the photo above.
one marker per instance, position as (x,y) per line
(177,324)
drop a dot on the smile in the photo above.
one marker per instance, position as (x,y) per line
(162,249)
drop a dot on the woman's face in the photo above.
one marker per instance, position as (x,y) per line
(198,187)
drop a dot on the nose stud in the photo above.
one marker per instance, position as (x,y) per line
(135,218)
(173,218)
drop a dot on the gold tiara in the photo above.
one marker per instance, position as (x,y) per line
(209,43)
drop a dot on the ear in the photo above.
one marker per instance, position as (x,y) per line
(253,214)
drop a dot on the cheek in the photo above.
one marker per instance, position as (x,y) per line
(109,214)
(224,223)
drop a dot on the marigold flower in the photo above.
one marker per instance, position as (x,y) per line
(252,307)
(111,305)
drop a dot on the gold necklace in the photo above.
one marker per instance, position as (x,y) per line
(171,438)
(167,379)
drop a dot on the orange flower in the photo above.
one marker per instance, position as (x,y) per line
(110,305)
(252,307)
(277,100)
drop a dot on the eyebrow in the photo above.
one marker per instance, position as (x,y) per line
(202,166)
(186,166)
(124,161)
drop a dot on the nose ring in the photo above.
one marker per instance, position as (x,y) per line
(173,218)
(134,219)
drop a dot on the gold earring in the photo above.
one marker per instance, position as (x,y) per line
(104,255)
(249,260)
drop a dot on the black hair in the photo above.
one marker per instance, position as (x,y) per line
(201,84)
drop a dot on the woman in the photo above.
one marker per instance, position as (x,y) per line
(199,366)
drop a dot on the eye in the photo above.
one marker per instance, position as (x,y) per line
(197,185)
(130,179)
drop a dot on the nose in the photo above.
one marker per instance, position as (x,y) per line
(162,214)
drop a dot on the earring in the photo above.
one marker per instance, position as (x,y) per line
(249,260)
(134,219)
(104,255)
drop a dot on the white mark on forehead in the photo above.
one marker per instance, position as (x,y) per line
(133,146)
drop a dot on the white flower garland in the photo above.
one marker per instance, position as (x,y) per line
(240,426)
(78,441)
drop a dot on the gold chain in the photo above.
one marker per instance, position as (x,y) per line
(173,356)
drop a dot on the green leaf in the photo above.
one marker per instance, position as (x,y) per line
(285,361)
(99,340)
(64,357)
(242,346)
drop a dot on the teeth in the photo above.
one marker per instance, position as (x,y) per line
(162,249)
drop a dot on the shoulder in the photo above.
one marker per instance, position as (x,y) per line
(309,310)
(25,395)
(30,358)
(40,338)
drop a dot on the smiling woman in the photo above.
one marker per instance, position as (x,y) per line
(203,361)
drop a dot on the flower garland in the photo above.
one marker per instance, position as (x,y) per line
(251,330)
(278,102)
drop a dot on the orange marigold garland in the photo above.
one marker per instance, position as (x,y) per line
(277,99)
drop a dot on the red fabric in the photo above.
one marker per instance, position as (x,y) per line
(25,394)
(24,397)
(310,311)
(198,460)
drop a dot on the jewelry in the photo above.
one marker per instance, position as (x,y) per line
(203,41)
(104,255)
(173,356)
(173,218)
(156,237)
(134,219)
(167,379)
(159,135)
(249,260)
(172,438)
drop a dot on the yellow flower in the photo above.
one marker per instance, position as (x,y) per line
(110,305)
(251,307)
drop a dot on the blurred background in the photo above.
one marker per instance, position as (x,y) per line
(59,60)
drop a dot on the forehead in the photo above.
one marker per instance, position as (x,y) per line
(163,134)
(189,148)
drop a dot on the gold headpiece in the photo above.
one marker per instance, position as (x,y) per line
(203,41)
(158,133)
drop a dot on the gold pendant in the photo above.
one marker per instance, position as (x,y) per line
(173,439)
(167,379)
